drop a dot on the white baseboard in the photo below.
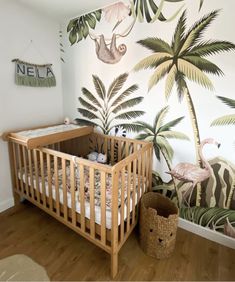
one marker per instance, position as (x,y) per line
(4,205)
(207,233)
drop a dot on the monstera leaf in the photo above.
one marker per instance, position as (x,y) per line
(79,28)
(147,10)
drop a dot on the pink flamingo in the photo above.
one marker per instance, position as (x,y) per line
(192,173)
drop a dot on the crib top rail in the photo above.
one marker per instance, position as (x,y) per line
(42,136)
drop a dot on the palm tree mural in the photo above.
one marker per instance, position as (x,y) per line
(104,108)
(159,133)
(228,119)
(183,60)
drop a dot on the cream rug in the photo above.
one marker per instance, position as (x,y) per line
(21,268)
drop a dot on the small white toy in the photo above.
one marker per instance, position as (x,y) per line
(97,157)
(67,121)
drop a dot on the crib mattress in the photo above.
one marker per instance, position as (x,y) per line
(87,203)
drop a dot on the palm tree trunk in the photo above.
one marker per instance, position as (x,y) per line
(197,140)
(169,167)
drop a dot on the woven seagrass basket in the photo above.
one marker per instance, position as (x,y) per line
(158,225)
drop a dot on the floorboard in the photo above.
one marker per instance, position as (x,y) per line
(66,256)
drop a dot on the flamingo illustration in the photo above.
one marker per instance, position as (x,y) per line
(192,173)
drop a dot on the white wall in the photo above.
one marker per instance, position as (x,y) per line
(22,107)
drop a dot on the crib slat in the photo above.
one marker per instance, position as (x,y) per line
(112,151)
(72,191)
(105,146)
(127,148)
(31,174)
(92,202)
(36,175)
(143,174)
(43,179)
(26,171)
(147,168)
(15,166)
(122,203)
(134,190)
(150,168)
(82,197)
(139,179)
(20,168)
(57,192)
(64,190)
(49,182)
(103,207)
(128,195)
(119,150)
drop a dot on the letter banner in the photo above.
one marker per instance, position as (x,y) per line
(33,75)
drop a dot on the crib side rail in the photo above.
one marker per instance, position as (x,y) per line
(49,179)
(132,177)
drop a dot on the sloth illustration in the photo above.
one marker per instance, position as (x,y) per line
(112,55)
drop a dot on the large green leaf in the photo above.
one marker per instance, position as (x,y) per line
(211,48)
(128,104)
(116,85)
(214,218)
(194,73)
(194,34)
(87,105)
(224,120)
(130,115)
(227,101)
(170,124)
(152,61)
(156,45)
(88,114)
(159,74)
(165,147)
(204,65)
(179,33)
(130,90)
(99,86)
(91,97)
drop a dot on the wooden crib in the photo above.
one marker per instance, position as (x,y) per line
(98,201)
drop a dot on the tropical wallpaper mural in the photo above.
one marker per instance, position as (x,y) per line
(162,71)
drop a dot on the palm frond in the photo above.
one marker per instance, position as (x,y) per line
(195,74)
(130,90)
(159,73)
(208,217)
(99,86)
(156,151)
(170,81)
(87,105)
(170,124)
(159,118)
(116,85)
(181,85)
(88,114)
(144,136)
(179,33)
(146,127)
(91,97)
(165,146)
(130,115)
(152,61)
(128,104)
(227,101)
(156,45)
(174,135)
(201,3)
(195,32)
(211,48)
(204,65)
(224,120)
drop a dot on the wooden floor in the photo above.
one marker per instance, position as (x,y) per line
(67,256)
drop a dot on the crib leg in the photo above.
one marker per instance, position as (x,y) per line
(17,199)
(114,265)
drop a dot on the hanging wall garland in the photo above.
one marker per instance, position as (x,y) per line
(34,75)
